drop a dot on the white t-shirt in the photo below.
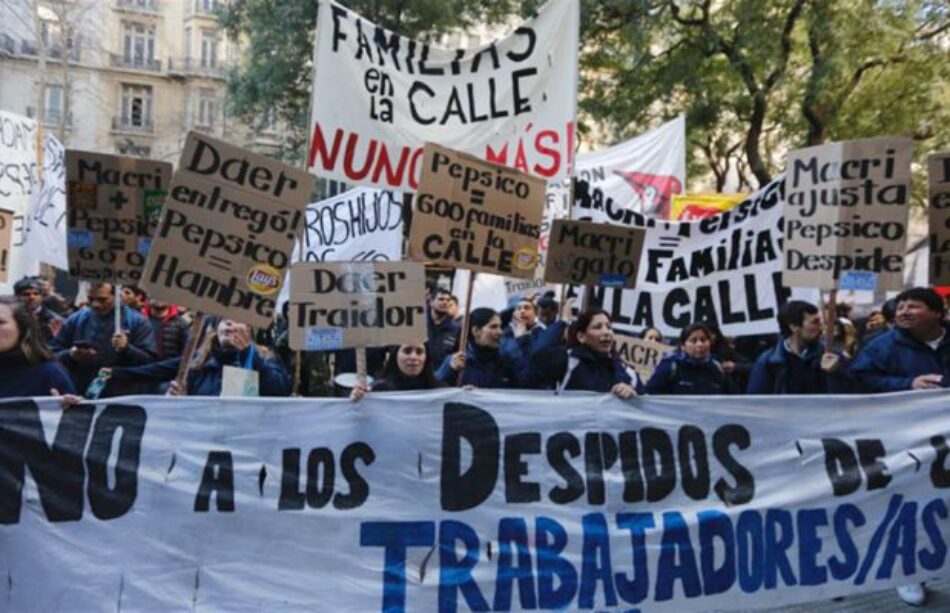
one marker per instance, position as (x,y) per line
(936,342)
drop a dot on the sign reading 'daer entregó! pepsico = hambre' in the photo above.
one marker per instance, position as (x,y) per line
(227,231)
(476,215)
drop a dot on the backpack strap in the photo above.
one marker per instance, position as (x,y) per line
(572,363)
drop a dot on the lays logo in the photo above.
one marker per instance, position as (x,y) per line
(263,279)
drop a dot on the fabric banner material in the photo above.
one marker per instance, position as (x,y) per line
(479,500)
(18,181)
(359,225)
(725,269)
(378,96)
(938,214)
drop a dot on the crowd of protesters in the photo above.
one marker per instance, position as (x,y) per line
(50,346)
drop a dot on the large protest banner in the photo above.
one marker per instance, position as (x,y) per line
(46,224)
(18,180)
(476,215)
(484,500)
(378,97)
(846,209)
(586,253)
(227,231)
(938,213)
(112,204)
(725,269)
(641,355)
(364,224)
(337,305)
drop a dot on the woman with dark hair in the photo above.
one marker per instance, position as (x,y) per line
(692,370)
(406,368)
(651,334)
(482,364)
(27,367)
(587,362)
(723,349)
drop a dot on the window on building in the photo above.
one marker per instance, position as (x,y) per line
(206,108)
(53,111)
(139,48)
(188,43)
(136,106)
(205,6)
(209,48)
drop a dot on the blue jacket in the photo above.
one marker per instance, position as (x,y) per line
(680,374)
(484,368)
(19,378)
(205,380)
(443,338)
(779,371)
(892,361)
(86,325)
(520,348)
(592,371)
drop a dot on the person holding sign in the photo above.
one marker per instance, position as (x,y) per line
(692,370)
(482,364)
(586,363)
(89,340)
(28,367)
(798,363)
(230,346)
(913,355)
(407,368)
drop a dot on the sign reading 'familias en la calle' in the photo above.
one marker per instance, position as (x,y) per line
(378,97)
(337,305)
(938,172)
(476,215)
(113,204)
(846,207)
(227,231)
(586,253)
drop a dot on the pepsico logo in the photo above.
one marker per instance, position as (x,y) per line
(263,279)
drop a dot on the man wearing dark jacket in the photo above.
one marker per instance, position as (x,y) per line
(168,327)
(89,341)
(798,363)
(443,330)
(29,290)
(914,355)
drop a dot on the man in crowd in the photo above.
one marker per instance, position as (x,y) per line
(547,308)
(525,327)
(169,328)
(443,330)
(798,363)
(29,291)
(913,355)
(134,297)
(89,341)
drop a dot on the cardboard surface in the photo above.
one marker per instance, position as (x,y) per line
(586,253)
(938,216)
(111,202)
(226,232)
(338,305)
(846,208)
(640,355)
(476,215)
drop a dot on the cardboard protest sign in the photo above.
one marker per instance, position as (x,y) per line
(362,224)
(109,200)
(356,304)
(18,181)
(641,355)
(6,237)
(846,207)
(226,231)
(240,382)
(586,253)
(378,96)
(476,215)
(938,213)
(46,223)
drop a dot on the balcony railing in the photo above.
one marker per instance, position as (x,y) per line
(51,117)
(127,124)
(197,67)
(122,61)
(198,8)
(7,44)
(52,51)
(138,6)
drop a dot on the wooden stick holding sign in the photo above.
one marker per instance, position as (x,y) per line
(463,335)
(189,354)
(830,313)
(117,329)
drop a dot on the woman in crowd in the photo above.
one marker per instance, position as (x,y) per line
(652,334)
(28,368)
(723,349)
(587,362)
(692,370)
(406,369)
(229,345)
(482,364)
